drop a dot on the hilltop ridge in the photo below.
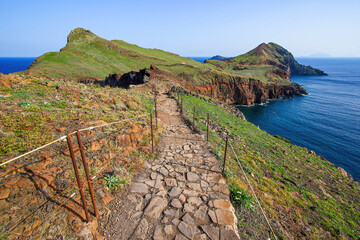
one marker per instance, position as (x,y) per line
(267,63)
(254,77)
(274,54)
(87,55)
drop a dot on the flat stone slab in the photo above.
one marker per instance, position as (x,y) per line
(155,207)
(169,230)
(222,204)
(212,232)
(158,233)
(170,182)
(188,230)
(192,177)
(188,219)
(224,217)
(174,192)
(222,188)
(228,234)
(196,201)
(181,237)
(201,216)
(172,212)
(176,203)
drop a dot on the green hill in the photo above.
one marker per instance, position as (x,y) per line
(268,63)
(88,56)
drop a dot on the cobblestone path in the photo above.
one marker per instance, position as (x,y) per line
(179,195)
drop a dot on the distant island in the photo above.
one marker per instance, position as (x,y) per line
(220,58)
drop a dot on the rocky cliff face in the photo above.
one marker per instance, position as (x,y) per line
(302,70)
(247,91)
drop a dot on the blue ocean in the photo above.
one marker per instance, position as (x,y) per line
(14,64)
(327,120)
(199,59)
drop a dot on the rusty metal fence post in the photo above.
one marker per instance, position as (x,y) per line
(152,133)
(207,127)
(87,172)
(226,145)
(193,122)
(77,177)
(181,106)
(156,116)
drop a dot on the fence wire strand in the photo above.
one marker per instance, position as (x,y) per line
(239,164)
(64,137)
(238,161)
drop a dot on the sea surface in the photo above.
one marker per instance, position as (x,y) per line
(327,120)
(200,59)
(14,64)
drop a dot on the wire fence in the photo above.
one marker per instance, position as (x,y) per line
(40,191)
(197,118)
(37,185)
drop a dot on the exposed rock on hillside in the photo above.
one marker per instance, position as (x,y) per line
(124,81)
(247,91)
(228,108)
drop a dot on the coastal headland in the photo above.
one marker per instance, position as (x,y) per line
(179,189)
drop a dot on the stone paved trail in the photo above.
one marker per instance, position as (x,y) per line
(180,195)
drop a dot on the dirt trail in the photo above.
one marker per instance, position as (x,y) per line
(179,195)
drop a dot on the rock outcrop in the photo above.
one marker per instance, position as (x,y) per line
(229,108)
(124,81)
(232,89)
(246,91)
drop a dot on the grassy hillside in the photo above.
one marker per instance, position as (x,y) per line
(264,53)
(89,56)
(34,187)
(269,63)
(32,114)
(305,196)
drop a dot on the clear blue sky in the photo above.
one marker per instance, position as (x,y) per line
(188,28)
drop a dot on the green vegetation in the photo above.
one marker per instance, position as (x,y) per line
(89,56)
(23,132)
(271,53)
(33,111)
(113,182)
(241,197)
(269,63)
(293,185)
